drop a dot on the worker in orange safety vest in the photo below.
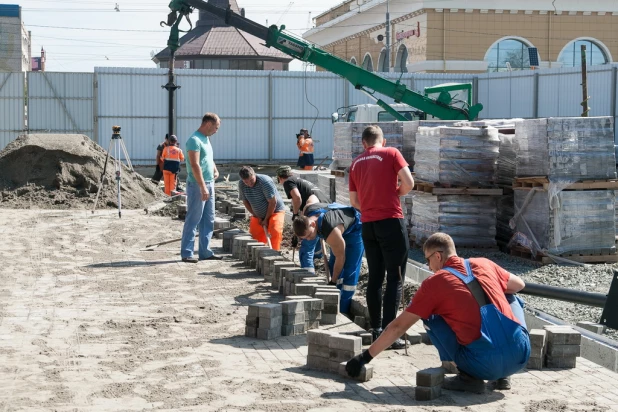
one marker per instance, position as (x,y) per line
(171,158)
(304,143)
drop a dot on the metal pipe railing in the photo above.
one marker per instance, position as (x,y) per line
(565,294)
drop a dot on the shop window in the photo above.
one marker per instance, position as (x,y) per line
(511,51)
(571,56)
(401,61)
(383,61)
(368,63)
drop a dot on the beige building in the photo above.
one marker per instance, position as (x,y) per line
(14,40)
(469,36)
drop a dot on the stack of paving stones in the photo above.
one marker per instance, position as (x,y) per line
(275,273)
(330,352)
(326,184)
(290,277)
(429,384)
(293,321)
(538,348)
(331,306)
(592,327)
(264,321)
(563,346)
(312,308)
(265,259)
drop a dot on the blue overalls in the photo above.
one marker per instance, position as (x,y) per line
(308,251)
(502,349)
(354,249)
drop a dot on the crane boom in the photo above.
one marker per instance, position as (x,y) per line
(363,80)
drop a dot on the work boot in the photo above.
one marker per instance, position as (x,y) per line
(375,334)
(463,382)
(503,384)
(398,344)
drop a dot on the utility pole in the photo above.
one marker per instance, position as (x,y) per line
(388,38)
(171,88)
(584,82)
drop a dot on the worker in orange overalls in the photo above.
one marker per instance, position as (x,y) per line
(171,158)
(304,142)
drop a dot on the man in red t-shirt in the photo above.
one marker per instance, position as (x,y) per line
(374,190)
(471,316)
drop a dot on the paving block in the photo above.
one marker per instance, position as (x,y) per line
(414,337)
(563,351)
(228,238)
(236,245)
(318,337)
(346,343)
(427,393)
(292,330)
(253,259)
(330,309)
(535,363)
(317,350)
(293,318)
(430,377)
(328,319)
(266,263)
(449,367)
(299,297)
(316,304)
(304,289)
(312,324)
(270,323)
(562,362)
(328,297)
(367,338)
(425,338)
(366,372)
(317,362)
(562,335)
(360,321)
(270,310)
(312,315)
(250,332)
(334,365)
(222,224)
(268,334)
(248,250)
(253,310)
(289,307)
(297,277)
(252,321)
(342,355)
(592,327)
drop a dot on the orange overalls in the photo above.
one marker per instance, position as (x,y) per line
(171,158)
(305,157)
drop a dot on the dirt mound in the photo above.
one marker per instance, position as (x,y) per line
(63,171)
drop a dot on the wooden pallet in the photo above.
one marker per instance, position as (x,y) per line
(524,253)
(430,188)
(543,183)
(338,173)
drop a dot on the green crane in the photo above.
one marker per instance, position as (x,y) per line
(363,80)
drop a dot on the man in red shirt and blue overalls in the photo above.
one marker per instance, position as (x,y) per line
(471,315)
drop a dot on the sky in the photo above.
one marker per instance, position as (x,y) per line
(79,35)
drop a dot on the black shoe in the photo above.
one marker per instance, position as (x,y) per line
(463,382)
(213,257)
(398,344)
(504,384)
(190,260)
(375,334)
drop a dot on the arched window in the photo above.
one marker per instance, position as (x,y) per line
(508,50)
(401,61)
(368,63)
(383,62)
(353,61)
(596,53)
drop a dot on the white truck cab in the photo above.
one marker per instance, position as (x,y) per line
(369,113)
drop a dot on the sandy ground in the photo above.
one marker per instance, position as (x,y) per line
(89,321)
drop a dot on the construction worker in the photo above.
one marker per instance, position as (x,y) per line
(201,175)
(261,198)
(171,158)
(375,192)
(471,316)
(302,193)
(158,174)
(340,227)
(304,142)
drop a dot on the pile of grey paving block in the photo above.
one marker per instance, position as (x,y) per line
(429,384)
(264,321)
(331,305)
(275,273)
(326,184)
(592,327)
(300,314)
(330,352)
(555,346)
(228,238)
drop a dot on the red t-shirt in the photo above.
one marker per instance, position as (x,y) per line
(373,176)
(446,295)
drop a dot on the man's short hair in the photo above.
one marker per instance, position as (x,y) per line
(210,117)
(372,134)
(246,172)
(301,225)
(440,241)
(284,172)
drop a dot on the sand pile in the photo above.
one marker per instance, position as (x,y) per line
(63,171)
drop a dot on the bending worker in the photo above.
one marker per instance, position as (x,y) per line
(471,316)
(340,227)
(302,193)
(171,157)
(304,142)
(261,198)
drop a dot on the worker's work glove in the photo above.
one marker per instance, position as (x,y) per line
(354,365)
(294,241)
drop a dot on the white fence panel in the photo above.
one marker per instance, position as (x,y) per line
(12,107)
(61,103)
(506,95)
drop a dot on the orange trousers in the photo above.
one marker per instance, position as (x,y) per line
(170,182)
(275,229)
(308,168)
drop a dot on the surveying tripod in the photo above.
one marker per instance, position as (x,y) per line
(118,147)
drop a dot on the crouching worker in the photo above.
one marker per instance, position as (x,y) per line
(471,316)
(340,227)
(171,157)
